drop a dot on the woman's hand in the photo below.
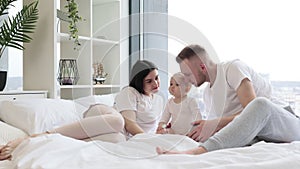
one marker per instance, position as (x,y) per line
(130,122)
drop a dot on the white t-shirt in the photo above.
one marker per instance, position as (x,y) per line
(148,109)
(181,114)
(229,77)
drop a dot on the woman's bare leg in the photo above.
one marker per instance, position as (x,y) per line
(105,120)
(93,126)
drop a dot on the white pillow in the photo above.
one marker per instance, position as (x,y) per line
(39,115)
(107,99)
(8,133)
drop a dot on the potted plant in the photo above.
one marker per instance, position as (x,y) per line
(14,30)
(72,17)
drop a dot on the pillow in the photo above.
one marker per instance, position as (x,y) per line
(107,99)
(8,133)
(40,115)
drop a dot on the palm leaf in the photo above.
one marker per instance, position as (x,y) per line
(15,29)
(4,6)
(16,45)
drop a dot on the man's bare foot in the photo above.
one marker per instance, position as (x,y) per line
(195,151)
(6,150)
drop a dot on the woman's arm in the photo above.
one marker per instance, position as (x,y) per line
(130,122)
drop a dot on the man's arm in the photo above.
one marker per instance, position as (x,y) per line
(245,94)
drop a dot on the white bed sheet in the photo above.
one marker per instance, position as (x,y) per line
(56,151)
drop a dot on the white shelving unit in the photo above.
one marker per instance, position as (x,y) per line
(103,36)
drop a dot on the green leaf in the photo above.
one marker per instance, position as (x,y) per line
(15,29)
(4,6)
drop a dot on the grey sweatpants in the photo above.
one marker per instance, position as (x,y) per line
(261,118)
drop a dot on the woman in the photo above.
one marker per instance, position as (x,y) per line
(138,103)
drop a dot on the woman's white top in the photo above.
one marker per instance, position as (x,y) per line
(181,115)
(221,98)
(148,108)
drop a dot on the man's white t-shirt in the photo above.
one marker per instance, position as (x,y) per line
(181,114)
(229,77)
(148,109)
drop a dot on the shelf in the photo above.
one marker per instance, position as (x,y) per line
(100,39)
(100,42)
(64,37)
(88,86)
(106,86)
(102,2)
(74,86)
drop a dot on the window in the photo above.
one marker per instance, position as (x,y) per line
(14,59)
(264,34)
(148,40)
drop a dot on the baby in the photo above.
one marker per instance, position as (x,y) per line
(180,110)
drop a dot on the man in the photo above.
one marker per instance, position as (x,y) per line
(239,103)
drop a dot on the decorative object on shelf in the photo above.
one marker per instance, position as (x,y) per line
(68,72)
(99,73)
(15,29)
(61,15)
(73,18)
(3,77)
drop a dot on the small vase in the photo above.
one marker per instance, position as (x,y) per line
(3,79)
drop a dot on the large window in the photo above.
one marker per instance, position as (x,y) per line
(263,33)
(148,35)
(13,61)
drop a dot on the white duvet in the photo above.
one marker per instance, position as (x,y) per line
(59,152)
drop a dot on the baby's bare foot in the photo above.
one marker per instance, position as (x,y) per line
(6,150)
(160,150)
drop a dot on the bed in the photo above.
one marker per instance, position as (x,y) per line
(57,151)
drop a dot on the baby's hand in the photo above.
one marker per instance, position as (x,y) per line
(162,131)
(163,128)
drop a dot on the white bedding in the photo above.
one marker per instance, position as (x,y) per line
(8,132)
(56,151)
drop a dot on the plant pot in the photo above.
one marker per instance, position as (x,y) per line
(3,78)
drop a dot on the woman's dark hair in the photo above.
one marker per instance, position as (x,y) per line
(138,73)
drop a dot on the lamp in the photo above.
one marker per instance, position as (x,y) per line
(68,72)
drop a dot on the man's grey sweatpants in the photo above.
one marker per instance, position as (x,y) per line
(262,119)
